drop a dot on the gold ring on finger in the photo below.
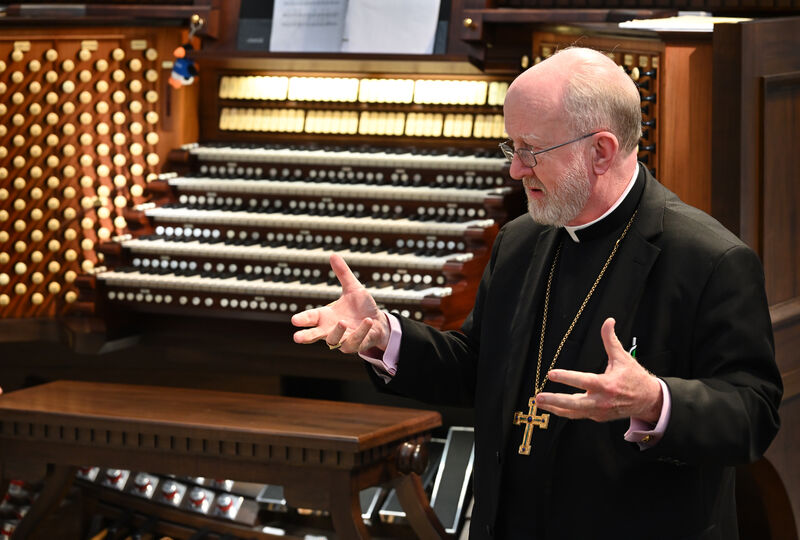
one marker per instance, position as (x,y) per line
(332,347)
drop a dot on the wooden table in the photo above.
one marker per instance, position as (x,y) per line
(322,452)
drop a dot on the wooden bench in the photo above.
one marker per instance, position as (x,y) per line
(323,453)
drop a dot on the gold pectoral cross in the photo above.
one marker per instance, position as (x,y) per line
(530,420)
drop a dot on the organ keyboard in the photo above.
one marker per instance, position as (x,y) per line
(473,178)
(232,220)
(382,158)
(291,275)
(245,229)
(201,289)
(271,238)
(332,189)
(156,246)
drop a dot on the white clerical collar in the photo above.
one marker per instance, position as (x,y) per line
(631,182)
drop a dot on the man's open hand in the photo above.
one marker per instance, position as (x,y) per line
(624,390)
(353,323)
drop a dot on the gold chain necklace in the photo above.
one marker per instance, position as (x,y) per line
(531,419)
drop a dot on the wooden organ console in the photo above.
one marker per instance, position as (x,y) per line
(249,228)
(167,239)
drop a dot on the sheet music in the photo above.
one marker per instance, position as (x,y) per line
(356,26)
(391,26)
(307,25)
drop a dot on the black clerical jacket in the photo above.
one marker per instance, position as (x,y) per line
(693,295)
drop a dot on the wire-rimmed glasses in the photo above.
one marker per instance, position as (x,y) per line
(527,155)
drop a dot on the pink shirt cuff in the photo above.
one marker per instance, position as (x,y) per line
(385,362)
(644,433)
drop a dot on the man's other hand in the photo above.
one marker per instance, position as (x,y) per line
(624,390)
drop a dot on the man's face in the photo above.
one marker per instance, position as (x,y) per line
(558,199)
(558,187)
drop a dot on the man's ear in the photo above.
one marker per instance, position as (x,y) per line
(605,147)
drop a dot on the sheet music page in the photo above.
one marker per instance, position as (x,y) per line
(391,26)
(307,25)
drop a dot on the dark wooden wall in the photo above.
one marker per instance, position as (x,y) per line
(756,168)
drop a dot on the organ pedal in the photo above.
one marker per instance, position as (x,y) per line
(449,472)
(445,478)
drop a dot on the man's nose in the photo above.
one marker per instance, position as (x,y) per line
(519,170)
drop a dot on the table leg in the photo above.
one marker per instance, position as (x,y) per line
(56,484)
(345,509)
(419,513)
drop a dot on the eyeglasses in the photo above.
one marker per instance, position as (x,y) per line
(528,156)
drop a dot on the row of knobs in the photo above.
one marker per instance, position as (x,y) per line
(77,142)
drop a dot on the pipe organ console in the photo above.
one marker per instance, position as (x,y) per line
(246,230)
(121,209)
(171,228)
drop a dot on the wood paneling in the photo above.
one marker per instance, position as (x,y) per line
(743,53)
(780,129)
(755,168)
(685,131)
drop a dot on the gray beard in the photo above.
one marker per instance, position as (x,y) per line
(565,201)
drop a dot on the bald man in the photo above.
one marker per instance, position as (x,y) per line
(619,355)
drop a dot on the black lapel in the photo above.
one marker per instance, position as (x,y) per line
(522,326)
(619,299)
(625,281)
